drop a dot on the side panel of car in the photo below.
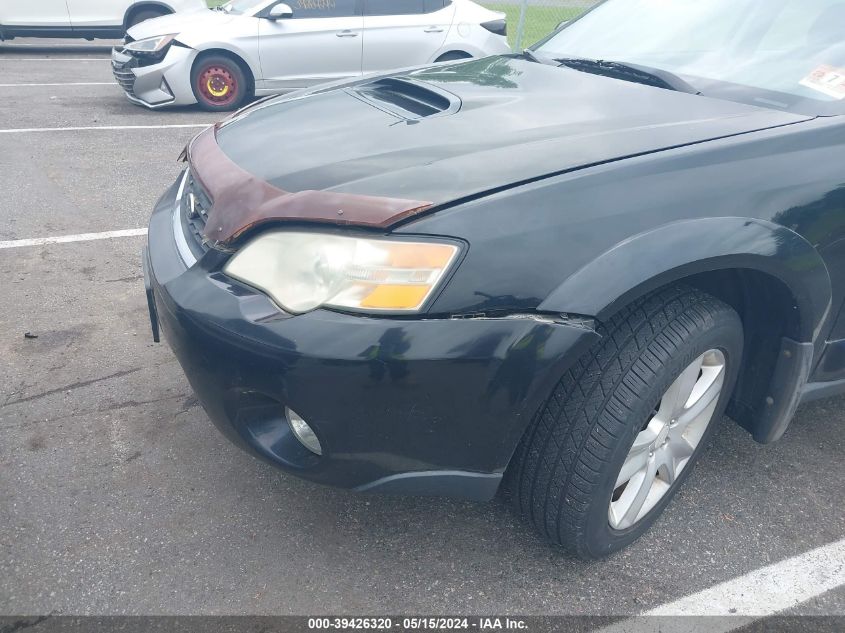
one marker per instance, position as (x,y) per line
(80,18)
(40,14)
(470,36)
(815,220)
(399,33)
(182,5)
(96,13)
(332,37)
(831,365)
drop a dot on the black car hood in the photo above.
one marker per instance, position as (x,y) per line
(451,131)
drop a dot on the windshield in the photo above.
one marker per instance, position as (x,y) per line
(787,54)
(243,7)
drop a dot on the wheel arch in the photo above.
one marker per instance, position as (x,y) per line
(676,251)
(143,5)
(773,277)
(464,48)
(455,54)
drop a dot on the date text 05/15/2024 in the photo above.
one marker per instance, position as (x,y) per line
(418,623)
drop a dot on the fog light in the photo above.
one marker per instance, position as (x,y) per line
(303,432)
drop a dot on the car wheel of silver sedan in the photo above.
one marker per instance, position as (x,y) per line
(625,425)
(219,83)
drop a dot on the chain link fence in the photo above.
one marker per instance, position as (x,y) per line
(531,20)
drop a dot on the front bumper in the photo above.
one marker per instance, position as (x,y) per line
(156,85)
(425,406)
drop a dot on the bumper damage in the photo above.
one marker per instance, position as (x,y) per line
(155,83)
(419,406)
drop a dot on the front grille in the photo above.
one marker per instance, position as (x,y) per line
(122,72)
(195,205)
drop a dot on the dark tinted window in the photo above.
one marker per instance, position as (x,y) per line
(393,7)
(323,8)
(403,7)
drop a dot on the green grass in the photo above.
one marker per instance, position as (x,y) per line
(539,21)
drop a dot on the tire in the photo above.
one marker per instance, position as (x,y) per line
(564,474)
(219,83)
(452,56)
(143,15)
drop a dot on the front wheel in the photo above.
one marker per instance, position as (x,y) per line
(219,83)
(624,427)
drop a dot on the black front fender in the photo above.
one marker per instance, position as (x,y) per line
(680,250)
(672,252)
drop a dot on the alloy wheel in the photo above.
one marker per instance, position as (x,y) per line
(664,446)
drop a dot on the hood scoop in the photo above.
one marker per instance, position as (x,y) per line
(406,98)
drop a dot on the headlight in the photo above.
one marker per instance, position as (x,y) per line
(150,44)
(303,271)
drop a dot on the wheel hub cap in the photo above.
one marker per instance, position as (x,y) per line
(218,85)
(664,446)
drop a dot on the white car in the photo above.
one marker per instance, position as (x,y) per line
(219,58)
(82,18)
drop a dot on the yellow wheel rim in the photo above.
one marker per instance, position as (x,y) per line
(222,91)
(218,85)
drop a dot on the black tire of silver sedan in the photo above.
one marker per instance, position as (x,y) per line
(621,432)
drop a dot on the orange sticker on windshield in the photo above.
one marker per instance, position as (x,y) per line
(828,80)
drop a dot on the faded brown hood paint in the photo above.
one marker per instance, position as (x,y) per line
(241,201)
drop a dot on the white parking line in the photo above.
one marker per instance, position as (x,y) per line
(80,237)
(55,59)
(755,595)
(174,126)
(75,83)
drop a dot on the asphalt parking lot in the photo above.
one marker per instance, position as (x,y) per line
(117,496)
